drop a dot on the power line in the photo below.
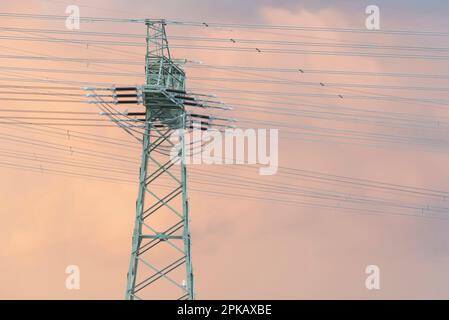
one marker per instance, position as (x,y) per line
(189,39)
(300,70)
(315,84)
(206,24)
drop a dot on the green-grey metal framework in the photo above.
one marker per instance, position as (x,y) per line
(161,265)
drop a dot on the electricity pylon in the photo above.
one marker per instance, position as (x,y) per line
(161,247)
(161,74)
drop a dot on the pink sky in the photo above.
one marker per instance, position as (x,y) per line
(242,249)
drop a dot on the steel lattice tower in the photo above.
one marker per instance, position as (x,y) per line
(147,265)
(161,263)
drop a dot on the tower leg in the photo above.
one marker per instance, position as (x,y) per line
(161,240)
(137,233)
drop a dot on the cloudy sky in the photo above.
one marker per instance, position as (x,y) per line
(251,242)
